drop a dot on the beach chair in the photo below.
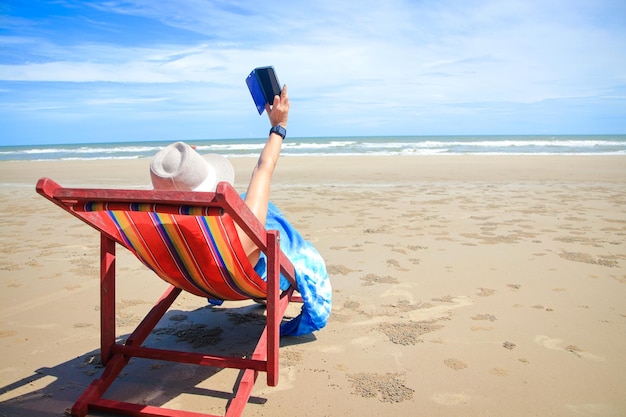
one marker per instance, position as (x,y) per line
(189,239)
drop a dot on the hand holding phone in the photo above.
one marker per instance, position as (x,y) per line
(278,112)
(263,85)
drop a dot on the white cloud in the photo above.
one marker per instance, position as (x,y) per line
(367,62)
(124,100)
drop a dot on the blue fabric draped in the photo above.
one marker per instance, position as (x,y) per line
(311,276)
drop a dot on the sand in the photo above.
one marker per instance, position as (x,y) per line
(465,285)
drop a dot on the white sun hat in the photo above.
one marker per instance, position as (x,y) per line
(179,167)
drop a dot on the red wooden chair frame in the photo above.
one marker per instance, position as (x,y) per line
(116,355)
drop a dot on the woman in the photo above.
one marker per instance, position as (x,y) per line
(179,167)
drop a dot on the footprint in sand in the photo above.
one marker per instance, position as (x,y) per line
(485,292)
(489,317)
(455,364)
(407,333)
(291,358)
(559,344)
(389,388)
(499,372)
(372,279)
(338,270)
(481,328)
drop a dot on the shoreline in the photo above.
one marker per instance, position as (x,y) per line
(342,169)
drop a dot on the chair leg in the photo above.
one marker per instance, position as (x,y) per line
(107,297)
(273,319)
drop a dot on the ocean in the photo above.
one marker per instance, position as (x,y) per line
(399,145)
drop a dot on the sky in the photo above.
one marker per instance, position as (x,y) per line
(83,71)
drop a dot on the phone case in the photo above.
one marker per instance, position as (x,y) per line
(263,85)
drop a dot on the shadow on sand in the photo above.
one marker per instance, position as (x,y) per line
(51,392)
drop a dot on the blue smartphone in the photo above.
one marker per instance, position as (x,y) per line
(263,85)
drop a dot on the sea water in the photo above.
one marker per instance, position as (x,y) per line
(332,146)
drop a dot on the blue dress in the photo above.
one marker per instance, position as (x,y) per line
(311,276)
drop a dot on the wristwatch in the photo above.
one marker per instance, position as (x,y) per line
(279,130)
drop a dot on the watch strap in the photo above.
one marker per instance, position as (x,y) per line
(279,130)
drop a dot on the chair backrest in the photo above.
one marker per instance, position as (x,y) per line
(200,254)
(193,245)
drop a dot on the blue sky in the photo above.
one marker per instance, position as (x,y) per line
(75,71)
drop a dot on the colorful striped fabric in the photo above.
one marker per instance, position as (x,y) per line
(157,207)
(198,253)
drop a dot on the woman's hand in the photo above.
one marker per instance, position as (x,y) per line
(278,112)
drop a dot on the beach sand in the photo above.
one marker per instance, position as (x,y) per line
(462,285)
